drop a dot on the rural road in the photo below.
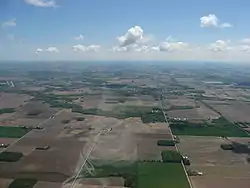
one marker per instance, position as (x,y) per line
(177,149)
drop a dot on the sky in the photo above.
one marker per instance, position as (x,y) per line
(35,30)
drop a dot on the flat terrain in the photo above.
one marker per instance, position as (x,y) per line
(234,111)
(161,175)
(114,111)
(12,100)
(199,113)
(12,132)
(221,168)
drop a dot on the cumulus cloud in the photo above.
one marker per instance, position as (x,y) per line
(52,49)
(42,3)
(82,48)
(132,36)
(226,25)
(220,46)
(80,37)
(245,41)
(172,46)
(39,50)
(49,49)
(208,21)
(9,23)
(213,21)
(244,48)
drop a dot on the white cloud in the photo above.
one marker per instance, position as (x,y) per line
(49,49)
(80,37)
(132,36)
(244,48)
(93,48)
(220,46)
(119,49)
(245,41)
(42,3)
(226,25)
(38,50)
(82,48)
(208,21)
(172,46)
(9,23)
(213,21)
(52,49)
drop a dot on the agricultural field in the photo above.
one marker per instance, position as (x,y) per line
(234,111)
(12,100)
(13,132)
(200,112)
(220,168)
(215,127)
(114,111)
(161,175)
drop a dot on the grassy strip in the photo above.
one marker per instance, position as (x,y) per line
(12,132)
(180,108)
(166,143)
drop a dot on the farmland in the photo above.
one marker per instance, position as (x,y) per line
(12,132)
(219,127)
(58,115)
(161,175)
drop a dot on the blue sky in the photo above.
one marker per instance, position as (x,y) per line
(28,25)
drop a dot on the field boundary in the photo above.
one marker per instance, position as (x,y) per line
(177,149)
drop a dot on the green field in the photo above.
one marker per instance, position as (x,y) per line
(144,174)
(10,156)
(7,110)
(12,132)
(148,114)
(127,170)
(166,143)
(23,183)
(161,175)
(218,127)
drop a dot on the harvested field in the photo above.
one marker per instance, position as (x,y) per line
(54,164)
(121,142)
(236,111)
(148,148)
(109,181)
(44,184)
(201,113)
(12,100)
(222,176)
(206,151)
(15,121)
(6,116)
(181,101)
(36,109)
(90,101)
(220,168)
(4,183)
(7,140)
